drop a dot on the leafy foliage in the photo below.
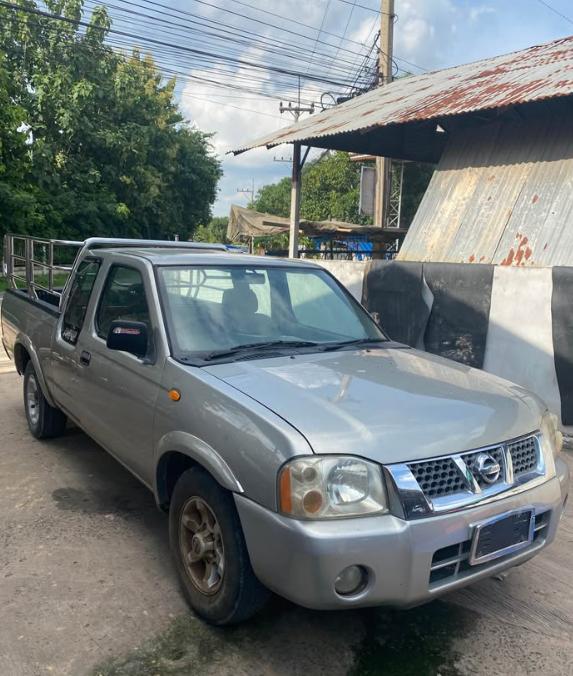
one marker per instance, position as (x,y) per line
(214,231)
(91,141)
(331,190)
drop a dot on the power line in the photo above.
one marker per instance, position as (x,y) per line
(298,23)
(556,11)
(343,35)
(197,52)
(242,17)
(184,95)
(370,9)
(272,47)
(318,35)
(204,81)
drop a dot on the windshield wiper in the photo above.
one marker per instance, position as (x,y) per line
(262,345)
(350,343)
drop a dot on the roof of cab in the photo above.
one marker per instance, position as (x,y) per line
(173,256)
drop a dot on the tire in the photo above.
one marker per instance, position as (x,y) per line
(44,421)
(220,584)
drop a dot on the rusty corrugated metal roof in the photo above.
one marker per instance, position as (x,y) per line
(540,72)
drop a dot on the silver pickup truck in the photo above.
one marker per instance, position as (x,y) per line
(295,446)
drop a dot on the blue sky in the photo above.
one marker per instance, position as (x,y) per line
(429,33)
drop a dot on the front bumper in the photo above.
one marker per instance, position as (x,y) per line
(301,559)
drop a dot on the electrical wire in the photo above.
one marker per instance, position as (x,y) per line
(555,11)
(189,50)
(230,35)
(370,9)
(295,21)
(350,14)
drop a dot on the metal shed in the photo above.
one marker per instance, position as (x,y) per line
(497,129)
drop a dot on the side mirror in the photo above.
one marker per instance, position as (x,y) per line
(128,337)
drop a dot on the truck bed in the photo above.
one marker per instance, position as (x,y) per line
(33,319)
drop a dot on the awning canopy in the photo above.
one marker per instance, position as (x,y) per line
(247,223)
(400,119)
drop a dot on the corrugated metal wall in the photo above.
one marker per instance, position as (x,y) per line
(502,193)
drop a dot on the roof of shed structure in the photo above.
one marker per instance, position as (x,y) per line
(245,223)
(399,119)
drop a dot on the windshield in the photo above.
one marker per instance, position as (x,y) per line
(212,310)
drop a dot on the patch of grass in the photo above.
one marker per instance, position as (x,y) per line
(189,646)
(182,650)
(59,281)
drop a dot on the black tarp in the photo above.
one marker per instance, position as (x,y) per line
(457,327)
(394,291)
(562,325)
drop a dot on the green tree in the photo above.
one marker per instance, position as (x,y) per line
(331,190)
(214,231)
(97,145)
(274,198)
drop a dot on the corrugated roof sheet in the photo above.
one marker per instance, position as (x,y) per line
(495,199)
(540,72)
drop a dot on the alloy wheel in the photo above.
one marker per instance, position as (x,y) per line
(201,546)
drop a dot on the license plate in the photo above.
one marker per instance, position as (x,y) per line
(502,535)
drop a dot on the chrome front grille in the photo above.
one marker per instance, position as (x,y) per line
(452,482)
(523,455)
(438,477)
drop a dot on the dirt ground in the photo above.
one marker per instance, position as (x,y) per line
(87,587)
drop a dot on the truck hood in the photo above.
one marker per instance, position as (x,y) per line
(389,404)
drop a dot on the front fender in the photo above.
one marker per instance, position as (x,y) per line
(23,340)
(201,453)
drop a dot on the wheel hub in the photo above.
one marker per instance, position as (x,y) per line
(201,546)
(32,400)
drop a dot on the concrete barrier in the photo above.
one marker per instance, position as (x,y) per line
(510,321)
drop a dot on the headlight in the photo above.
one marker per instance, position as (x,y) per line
(551,433)
(322,487)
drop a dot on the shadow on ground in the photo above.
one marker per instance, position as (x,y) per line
(285,639)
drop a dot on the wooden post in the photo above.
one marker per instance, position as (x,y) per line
(384,77)
(294,202)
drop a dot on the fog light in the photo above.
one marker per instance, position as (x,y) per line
(350,581)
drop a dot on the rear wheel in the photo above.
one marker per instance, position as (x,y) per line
(44,420)
(210,553)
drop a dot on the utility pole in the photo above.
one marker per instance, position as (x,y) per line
(297,165)
(384,77)
(296,111)
(294,202)
(249,191)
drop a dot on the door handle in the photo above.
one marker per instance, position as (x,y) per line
(85,358)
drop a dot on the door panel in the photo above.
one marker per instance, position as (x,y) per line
(64,370)
(123,387)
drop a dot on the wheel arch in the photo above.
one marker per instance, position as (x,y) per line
(178,452)
(25,352)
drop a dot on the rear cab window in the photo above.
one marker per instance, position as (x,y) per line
(77,305)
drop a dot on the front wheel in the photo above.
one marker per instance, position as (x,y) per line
(210,553)
(44,420)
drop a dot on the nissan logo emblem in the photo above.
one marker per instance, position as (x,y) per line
(487,467)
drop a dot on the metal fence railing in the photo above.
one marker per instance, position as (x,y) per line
(33,263)
(39,264)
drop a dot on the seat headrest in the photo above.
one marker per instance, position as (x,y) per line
(241,300)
